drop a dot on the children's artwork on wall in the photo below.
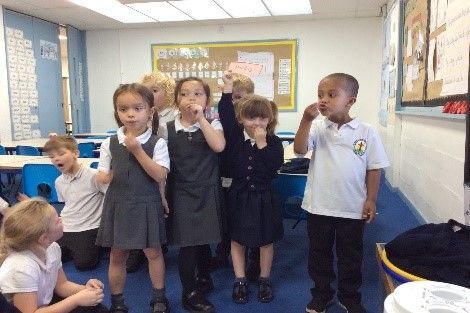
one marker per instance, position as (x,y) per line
(23,85)
(270,64)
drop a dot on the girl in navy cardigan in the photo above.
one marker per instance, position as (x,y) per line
(255,155)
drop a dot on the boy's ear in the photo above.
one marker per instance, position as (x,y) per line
(351,101)
(76,153)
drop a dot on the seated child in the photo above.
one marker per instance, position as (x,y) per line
(83,198)
(31,270)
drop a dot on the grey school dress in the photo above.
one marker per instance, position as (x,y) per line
(133,215)
(194,190)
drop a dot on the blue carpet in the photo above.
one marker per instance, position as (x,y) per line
(289,275)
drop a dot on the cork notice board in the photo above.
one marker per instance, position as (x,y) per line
(208,61)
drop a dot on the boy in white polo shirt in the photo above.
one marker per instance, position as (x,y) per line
(83,198)
(341,191)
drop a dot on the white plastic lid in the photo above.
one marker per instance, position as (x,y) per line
(431,297)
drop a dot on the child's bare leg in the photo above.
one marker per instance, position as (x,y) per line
(238,259)
(156,266)
(266,260)
(117,270)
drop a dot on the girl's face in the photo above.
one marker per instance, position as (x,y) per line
(191,92)
(250,124)
(56,229)
(159,97)
(133,112)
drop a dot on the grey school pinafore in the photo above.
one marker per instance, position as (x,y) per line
(133,215)
(194,190)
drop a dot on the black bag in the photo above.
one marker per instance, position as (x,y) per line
(295,166)
(439,252)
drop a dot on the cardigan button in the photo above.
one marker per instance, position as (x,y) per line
(248,178)
(250,167)
(252,186)
(250,158)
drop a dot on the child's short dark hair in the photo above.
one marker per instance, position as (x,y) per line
(59,142)
(179,84)
(140,90)
(243,82)
(351,83)
(252,106)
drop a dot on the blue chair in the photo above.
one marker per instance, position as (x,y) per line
(86,149)
(27,150)
(290,189)
(112,131)
(94,164)
(39,180)
(2,150)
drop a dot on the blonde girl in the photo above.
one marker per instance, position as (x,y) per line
(195,221)
(31,270)
(255,155)
(134,161)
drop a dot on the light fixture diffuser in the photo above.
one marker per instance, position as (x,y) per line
(288,7)
(161,11)
(201,9)
(115,10)
(243,8)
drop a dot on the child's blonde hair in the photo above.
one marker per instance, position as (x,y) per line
(23,224)
(58,142)
(167,83)
(252,106)
(243,82)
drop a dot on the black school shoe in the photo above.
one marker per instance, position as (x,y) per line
(122,308)
(240,292)
(352,308)
(160,305)
(204,284)
(265,291)
(196,302)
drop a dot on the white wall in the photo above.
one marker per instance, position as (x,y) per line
(325,46)
(5,123)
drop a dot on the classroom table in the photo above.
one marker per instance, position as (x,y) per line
(40,142)
(87,135)
(289,153)
(15,163)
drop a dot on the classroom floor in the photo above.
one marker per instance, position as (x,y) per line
(289,275)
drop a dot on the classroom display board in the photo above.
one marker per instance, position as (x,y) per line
(436,39)
(270,64)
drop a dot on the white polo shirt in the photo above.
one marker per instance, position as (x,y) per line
(160,152)
(83,198)
(336,182)
(23,272)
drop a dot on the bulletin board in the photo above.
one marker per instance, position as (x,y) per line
(208,61)
(436,39)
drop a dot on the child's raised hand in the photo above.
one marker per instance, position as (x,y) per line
(132,143)
(311,112)
(260,137)
(228,77)
(196,110)
(369,211)
(94,284)
(89,297)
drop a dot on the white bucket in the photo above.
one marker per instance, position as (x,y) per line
(428,297)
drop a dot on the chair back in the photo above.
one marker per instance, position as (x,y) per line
(2,150)
(290,189)
(86,149)
(39,180)
(27,150)
(94,164)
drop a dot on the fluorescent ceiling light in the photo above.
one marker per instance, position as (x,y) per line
(115,10)
(161,11)
(200,9)
(244,8)
(290,7)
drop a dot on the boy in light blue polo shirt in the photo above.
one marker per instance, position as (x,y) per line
(341,195)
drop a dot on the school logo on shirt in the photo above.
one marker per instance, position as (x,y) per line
(360,146)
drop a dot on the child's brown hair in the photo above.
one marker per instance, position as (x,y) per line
(167,83)
(243,82)
(142,91)
(252,106)
(59,142)
(205,86)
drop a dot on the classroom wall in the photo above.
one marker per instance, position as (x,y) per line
(325,46)
(5,124)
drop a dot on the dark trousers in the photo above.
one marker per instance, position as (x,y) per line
(80,247)
(189,259)
(100,308)
(323,231)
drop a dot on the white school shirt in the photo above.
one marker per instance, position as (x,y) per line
(3,205)
(336,179)
(83,198)
(160,152)
(193,128)
(23,272)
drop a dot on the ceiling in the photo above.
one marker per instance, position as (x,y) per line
(65,12)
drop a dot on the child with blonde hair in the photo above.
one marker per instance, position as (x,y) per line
(31,271)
